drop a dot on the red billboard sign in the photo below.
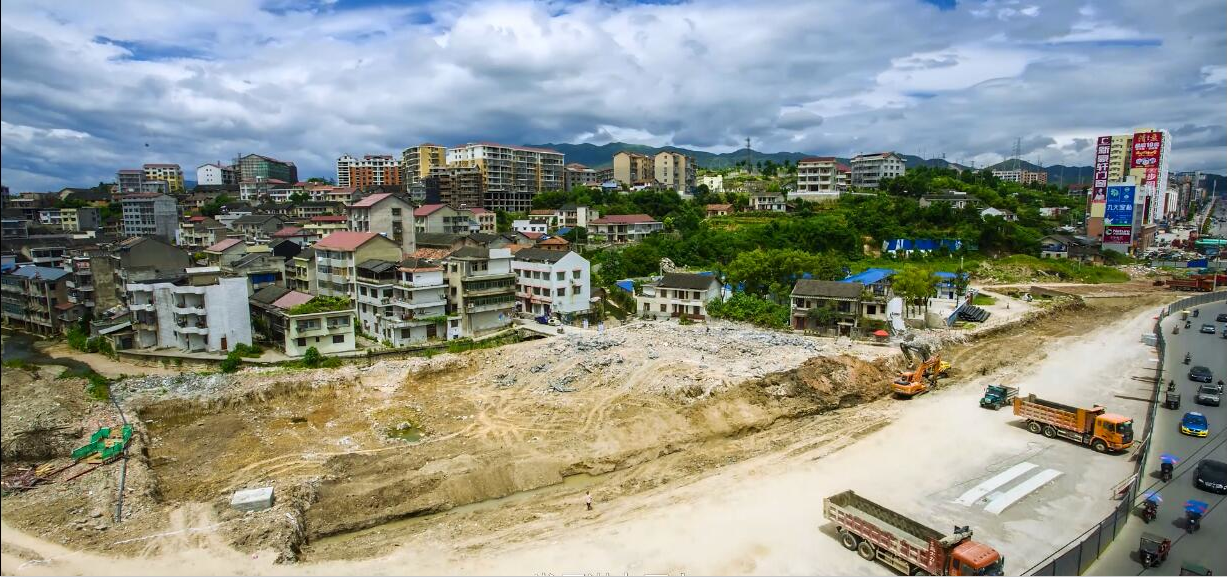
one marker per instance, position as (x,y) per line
(1103,154)
(1147,147)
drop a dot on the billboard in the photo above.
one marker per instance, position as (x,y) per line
(1118,214)
(1103,154)
(1147,148)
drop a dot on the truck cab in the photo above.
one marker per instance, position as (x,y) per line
(972,558)
(1115,430)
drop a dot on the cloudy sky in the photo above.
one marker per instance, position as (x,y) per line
(89,87)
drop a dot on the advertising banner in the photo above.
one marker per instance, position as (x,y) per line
(1099,189)
(1118,215)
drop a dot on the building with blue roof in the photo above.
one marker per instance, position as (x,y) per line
(35,299)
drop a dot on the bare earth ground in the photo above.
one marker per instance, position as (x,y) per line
(681,430)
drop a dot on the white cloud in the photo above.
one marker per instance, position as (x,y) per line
(309,81)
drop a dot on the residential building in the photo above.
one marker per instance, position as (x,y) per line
(1083,249)
(233,213)
(631,168)
(225,251)
(623,228)
(196,310)
(1000,213)
(370,170)
(129,181)
(258,227)
(11,228)
(843,177)
(513,174)
(171,174)
(1022,176)
(338,254)
(303,237)
(263,189)
(387,214)
(572,215)
(552,283)
(868,170)
(713,182)
(146,214)
(719,210)
(253,167)
(33,298)
(442,218)
(878,289)
(818,179)
(83,219)
(679,294)
(329,331)
(91,282)
(217,174)
(141,258)
(768,202)
(675,171)
(155,187)
(326,224)
(481,291)
(815,302)
(956,199)
(455,186)
(260,268)
(579,175)
(418,161)
(487,221)
(555,243)
(526,226)
(300,272)
(41,250)
(444,241)
(402,302)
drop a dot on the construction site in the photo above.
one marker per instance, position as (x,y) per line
(702,448)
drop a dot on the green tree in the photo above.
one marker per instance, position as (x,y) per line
(916,285)
(299,197)
(312,358)
(321,180)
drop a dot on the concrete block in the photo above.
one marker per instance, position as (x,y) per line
(252,499)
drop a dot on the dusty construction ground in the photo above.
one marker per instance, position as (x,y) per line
(636,426)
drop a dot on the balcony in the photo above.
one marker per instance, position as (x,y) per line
(188,310)
(140,306)
(191,329)
(481,308)
(70,284)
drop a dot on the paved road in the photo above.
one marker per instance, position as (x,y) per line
(1206,547)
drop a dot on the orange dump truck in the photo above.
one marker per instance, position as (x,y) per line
(1093,427)
(878,533)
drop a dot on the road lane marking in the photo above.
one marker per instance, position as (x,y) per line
(996,506)
(975,493)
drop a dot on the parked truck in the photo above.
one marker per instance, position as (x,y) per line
(1094,427)
(997,396)
(878,533)
(1191,284)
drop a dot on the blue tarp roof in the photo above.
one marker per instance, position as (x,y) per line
(626,285)
(870,276)
(42,272)
(923,244)
(562,231)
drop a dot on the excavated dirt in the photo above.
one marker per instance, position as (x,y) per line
(447,448)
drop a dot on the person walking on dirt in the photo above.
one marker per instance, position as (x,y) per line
(588,499)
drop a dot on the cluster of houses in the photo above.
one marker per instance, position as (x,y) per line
(295,274)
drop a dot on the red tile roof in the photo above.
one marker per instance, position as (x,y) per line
(719,207)
(843,168)
(623,219)
(554,241)
(542,211)
(371,200)
(224,244)
(427,209)
(292,299)
(431,253)
(345,240)
(290,231)
(330,218)
(533,235)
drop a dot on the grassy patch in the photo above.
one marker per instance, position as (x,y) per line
(20,364)
(983,300)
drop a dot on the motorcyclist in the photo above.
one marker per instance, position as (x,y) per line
(1192,520)
(1150,508)
(1188,324)
(1165,471)
(1187,358)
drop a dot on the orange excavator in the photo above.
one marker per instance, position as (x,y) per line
(922,378)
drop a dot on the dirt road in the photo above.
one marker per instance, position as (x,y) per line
(745,502)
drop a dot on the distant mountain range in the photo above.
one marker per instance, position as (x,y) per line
(595,156)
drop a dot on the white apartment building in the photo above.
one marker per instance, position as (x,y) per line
(328,331)
(768,202)
(819,179)
(370,170)
(534,225)
(216,174)
(868,170)
(200,311)
(623,228)
(481,290)
(551,282)
(679,294)
(715,182)
(403,302)
(513,174)
(149,214)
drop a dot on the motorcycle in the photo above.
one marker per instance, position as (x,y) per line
(1171,386)
(1175,330)
(1196,312)
(1165,471)
(1188,324)
(1150,511)
(1187,358)
(1192,521)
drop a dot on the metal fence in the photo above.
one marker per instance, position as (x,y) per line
(1076,557)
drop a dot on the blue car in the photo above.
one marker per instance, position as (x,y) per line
(1194,424)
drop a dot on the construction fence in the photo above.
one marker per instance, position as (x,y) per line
(1076,557)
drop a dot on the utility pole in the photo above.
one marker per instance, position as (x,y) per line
(1017,152)
(749,157)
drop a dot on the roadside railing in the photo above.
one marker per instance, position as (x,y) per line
(1078,555)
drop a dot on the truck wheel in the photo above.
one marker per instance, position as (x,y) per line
(1099,446)
(1034,427)
(848,540)
(865,550)
(919,571)
(1050,432)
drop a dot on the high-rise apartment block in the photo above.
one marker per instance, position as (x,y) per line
(370,170)
(455,185)
(416,162)
(820,178)
(171,174)
(675,171)
(255,167)
(513,174)
(632,168)
(149,214)
(217,174)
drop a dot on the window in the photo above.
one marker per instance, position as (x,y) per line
(575,274)
(662,307)
(560,276)
(562,292)
(301,342)
(338,339)
(395,212)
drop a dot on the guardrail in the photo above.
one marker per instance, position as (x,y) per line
(1078,555)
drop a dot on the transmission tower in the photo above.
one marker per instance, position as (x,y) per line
(1017,152)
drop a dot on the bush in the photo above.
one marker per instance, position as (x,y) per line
(246,350)
(748,308)
(99,387)
(232,362)
(312,358)
(78,339)
(321,304)
(19,364)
